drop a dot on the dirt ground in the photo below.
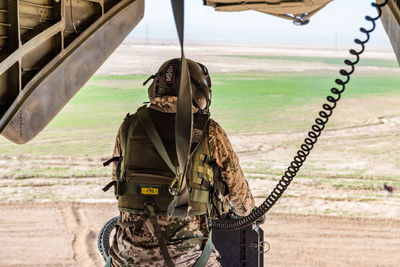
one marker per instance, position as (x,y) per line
(65,234)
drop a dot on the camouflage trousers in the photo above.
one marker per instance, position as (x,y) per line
(184,237)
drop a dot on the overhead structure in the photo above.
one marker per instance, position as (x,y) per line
(391,22)
(299,11)
(48,51)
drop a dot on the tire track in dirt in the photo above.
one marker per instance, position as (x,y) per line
(62,234)
(82,237)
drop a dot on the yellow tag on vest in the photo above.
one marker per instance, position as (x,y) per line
(149,191)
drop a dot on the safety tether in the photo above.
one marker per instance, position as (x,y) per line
(184,125)
(184,117)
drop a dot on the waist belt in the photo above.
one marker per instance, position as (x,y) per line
(137,189)
(122,188)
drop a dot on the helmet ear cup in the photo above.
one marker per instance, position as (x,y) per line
(201,85)
(206,74)
(199,98)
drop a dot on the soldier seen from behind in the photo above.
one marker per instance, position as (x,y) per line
(144,166)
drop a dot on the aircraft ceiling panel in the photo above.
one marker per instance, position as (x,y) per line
(277,10)
(48,50)
(391,23)
(300,2)
(300,11)
(276,7)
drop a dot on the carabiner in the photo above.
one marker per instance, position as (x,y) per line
(173,190)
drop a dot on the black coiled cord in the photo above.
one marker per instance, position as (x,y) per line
(103,240)
(313,135)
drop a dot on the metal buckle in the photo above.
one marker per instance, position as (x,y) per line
(261,246)
(149,203)
(173,190)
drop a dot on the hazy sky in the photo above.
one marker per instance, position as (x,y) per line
(336,23)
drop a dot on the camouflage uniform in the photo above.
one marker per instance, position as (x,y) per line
(185,237)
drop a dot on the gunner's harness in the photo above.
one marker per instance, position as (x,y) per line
(148,183)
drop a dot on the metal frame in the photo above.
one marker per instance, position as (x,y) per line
(391,22)
(45,71)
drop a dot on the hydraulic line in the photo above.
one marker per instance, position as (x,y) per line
(313,134)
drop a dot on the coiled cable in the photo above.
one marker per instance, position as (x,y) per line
(103,240)
(312,135)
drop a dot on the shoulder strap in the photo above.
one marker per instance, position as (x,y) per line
(152,133)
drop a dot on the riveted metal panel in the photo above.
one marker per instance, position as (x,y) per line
(391,22)
(55,57)
(295,10)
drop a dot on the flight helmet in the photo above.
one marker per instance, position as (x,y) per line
(166,82)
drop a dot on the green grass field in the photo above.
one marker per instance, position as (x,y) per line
(68,154)
(331,61)
(241,103)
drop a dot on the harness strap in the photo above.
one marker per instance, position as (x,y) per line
(155,138)
(125,224)
(179,207)
(206,253)
(140,222)
(161,242)
(158,235)
(200,195)
(136,189)
(183,116)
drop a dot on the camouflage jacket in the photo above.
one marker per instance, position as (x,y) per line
(184,237)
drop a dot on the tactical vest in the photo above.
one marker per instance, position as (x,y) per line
(143,175)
